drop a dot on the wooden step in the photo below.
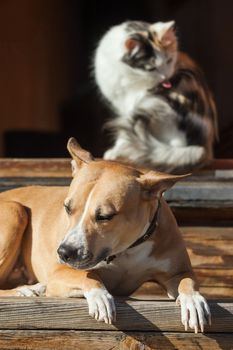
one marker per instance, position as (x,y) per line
(59,323)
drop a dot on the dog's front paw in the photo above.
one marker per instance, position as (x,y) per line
(101,305)
(195,311)
(35,290)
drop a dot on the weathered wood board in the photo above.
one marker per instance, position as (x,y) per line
(41,167)
(111,340)
(132,315)
(59,323)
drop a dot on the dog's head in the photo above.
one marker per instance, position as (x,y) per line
(108,207)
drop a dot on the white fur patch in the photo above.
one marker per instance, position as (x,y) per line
(77,234)
(195,311)
(101,305)
(133,262)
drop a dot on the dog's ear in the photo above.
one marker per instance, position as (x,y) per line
(79,155)
(155,183)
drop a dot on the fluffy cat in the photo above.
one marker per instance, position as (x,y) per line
(165,116)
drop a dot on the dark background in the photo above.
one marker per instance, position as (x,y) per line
(47,93)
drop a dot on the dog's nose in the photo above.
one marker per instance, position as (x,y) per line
(68,253)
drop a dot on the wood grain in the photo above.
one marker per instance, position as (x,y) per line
(132,315)
(8,183)
(111,340)
(149,289)
(203,212)
(46,167)
(209,247)
(61,167)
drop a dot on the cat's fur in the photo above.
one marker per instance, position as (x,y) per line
(165,114)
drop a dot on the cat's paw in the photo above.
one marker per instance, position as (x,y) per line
(195,311)
(101,305)
(197,155)
(110,154)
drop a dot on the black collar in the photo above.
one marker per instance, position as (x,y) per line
(147,234)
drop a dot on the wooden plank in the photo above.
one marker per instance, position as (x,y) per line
(224,292)
(132,315)
(188,194)
(209,247)
(204,258)
(204,213)
(213,282)
(201,191)
(185,211)
(208,232)
(193,189)
(111,340)
(221,164)
(215,277)
(9,183)
(43,167)
(61,167)
(149,289)
(184,196)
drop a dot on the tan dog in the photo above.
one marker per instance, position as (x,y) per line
(112,231)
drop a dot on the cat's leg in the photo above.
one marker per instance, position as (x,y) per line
(119,150)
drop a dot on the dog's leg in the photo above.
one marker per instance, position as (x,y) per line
(195,311)
(13,221)
(67,282)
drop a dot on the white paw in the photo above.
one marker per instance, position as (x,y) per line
(195,311)
(35,290)
(101,305)
(110,154)
(198,154)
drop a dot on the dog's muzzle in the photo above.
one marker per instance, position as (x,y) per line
(80,258)
(74,256)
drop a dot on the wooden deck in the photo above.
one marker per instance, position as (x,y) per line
(203,205)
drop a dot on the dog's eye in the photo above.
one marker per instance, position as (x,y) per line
(104,217)
(67,208)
